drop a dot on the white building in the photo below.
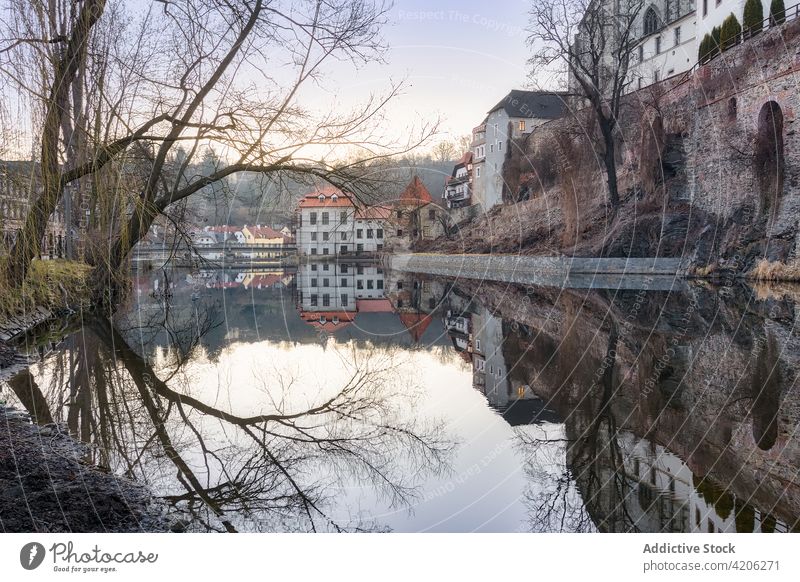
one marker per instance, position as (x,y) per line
(667,46)
(458,187)
(517,114)
(329,224)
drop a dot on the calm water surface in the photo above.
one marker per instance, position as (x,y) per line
(344,397)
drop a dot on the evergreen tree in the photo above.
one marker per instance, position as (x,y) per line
(777,12)
(753,17)
(730,32)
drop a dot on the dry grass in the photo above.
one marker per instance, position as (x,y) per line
(775,271)
(54,285)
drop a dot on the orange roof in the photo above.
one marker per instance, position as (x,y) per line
(264,232)
(416,194)
(312,200)
(374,213)
(374,306)
(465,159)
(313,318)
(260,281)
(416,324)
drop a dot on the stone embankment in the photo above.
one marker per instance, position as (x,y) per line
(572,272)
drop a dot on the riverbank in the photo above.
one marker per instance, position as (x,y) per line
(47,484)
(55,286)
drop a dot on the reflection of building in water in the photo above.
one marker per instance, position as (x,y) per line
(330,294)
(414,299)
(478,336)
(656,491)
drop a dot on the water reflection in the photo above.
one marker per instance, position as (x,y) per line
(346,397)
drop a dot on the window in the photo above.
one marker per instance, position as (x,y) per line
(360,233)
(668,11)
(326,236)
(399,214)
(360,270)
(326,267)
(343,236)
(478,171)
(379,233)
(359,284)
(656,76)
(313,300)
(334,198)
(369,233)
(313,218)
(326,300)
(677,36)
(326,282)
(313,266)
(314,251)
(370,284)
(343,217)
(344,300)
(499,146)
(379,246)
(522,125)
(343,268)
(491,148)
(399,284)
(650,22)
(344,282)
(343,249)
(432,214)
(325,251)
(658,45)
(399,232)
(705,7)
(313,282)
(360,247)
(379,284)
(321,198)
(313,236)
(641,53)
(415,233)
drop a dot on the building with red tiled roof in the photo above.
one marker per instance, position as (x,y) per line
(329,223)
(416,324)
(328,321)
(415,194)
(458,187)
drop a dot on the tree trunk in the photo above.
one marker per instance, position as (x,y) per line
(28,243)
(610,161)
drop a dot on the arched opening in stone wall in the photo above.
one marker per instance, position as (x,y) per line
(769,156)
(732,109)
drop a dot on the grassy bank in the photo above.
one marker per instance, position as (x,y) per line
(54,285)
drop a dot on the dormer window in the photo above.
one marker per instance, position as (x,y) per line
(334,198)
(322,198)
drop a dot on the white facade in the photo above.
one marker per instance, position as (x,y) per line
(328,224)
(671,50)
(332,286)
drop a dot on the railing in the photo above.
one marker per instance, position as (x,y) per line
(789,14)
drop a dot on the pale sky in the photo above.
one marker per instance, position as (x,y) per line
(459,57)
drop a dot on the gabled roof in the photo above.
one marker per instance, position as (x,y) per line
(264,232)
(416,324)
(313,318)
(225,229)
(529,104)
(331,197)
(415,194)
(374,213)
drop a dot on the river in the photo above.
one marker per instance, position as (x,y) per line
(350,398)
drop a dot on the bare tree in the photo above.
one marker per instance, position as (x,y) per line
(592,41)
(209,72)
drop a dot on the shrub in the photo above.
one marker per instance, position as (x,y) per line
(729,33)
(777,12)
(753,16)
(708,49)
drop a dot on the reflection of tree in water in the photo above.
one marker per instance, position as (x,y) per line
(274,471)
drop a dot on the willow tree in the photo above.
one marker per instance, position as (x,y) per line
(590,42)
(200,73)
